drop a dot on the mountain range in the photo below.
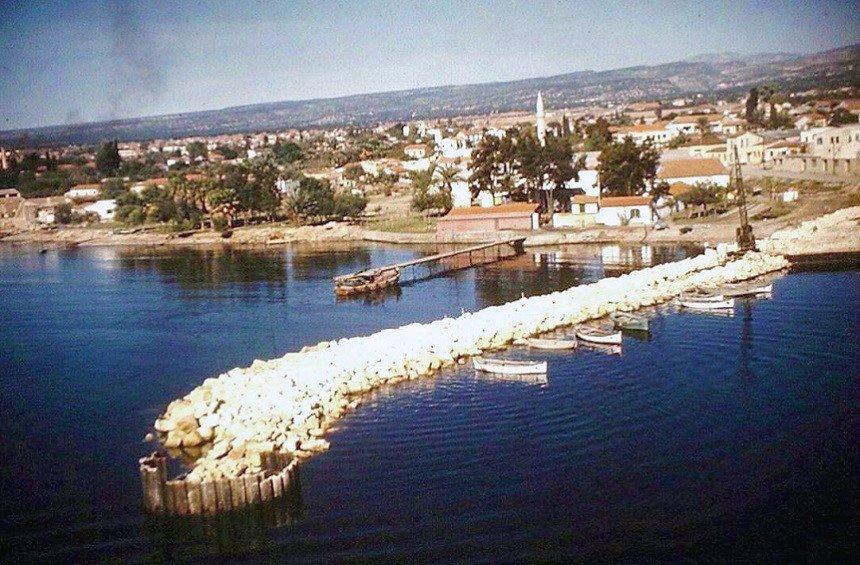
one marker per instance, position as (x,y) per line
(708,74)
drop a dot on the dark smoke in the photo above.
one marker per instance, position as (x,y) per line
(136,79)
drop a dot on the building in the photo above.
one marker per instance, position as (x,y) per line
(84,192)
(834,151)
(625,211)
(521,216)
(9,193)
(693,171)
(750,148)
(416,151)
(540,119)
(104,208)
(689,125)
(656,133)
(583,212)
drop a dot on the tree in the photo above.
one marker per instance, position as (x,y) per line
(752,106)
(841,117)
(314,197)
(196,149)
(627,169)
(597,135)
(107,158)
(565,126)
(111,188)
(701,195)
(560,165)
(353,171)
(286,152)
(703,125)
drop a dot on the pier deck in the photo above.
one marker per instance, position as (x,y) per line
(452,260)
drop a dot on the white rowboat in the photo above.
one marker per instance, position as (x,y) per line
(599,336)
(699,297)
(767,289)
(707,304)
(538,343)
(509,367)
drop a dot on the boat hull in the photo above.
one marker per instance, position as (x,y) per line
(506,367)
(629,323)
(551,344)
(603,339)
(708,304)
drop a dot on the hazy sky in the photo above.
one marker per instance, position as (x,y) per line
(69,62)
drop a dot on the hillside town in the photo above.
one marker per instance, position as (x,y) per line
(636,164)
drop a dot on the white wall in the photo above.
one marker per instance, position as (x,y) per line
(611,216)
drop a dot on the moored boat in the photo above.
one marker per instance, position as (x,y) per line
(708,304)
(538,343)
(594,335)
(629,322)
(509,366)
(696,296)
(366,282)
(756,291)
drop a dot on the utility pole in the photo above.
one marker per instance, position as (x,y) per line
(743,234)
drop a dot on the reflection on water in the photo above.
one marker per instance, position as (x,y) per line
(674,445)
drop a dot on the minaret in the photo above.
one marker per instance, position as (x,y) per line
(3,162)
(541,120)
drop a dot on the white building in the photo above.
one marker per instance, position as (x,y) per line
(657,133)
(460,194)
(694,171)
(625,210)
(104,208)
(83,192)
(835,142)
(415,151)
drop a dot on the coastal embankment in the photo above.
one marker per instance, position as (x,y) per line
(251,426)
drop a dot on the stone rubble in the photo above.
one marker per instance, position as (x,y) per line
(836,232)
(287,404)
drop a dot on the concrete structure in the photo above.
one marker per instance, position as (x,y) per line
(583,212)
(415,151)
(540,119)
(694,171)
(513,216)
(625,210)
(84,192)
(9,193)
(104,208)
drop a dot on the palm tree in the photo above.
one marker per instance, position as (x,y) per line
(448,174)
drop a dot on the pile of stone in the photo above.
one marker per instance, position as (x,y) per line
(286,405)
(836,232)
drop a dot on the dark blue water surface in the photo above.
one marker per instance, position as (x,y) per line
(721,437)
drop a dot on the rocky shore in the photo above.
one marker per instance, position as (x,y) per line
(834,233)
(286,405)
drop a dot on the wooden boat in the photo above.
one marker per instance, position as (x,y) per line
(629,322)
(701,297)
(509,366)
(538,343)
(366,282)
(767,289)
(594,335)
(708,304)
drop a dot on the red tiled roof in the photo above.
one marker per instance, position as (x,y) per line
(680,168)
(678,188)
(613,201)
(584,199)
(511,208)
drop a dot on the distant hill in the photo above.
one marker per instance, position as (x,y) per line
(709,73)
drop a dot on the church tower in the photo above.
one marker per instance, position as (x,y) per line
(541,120)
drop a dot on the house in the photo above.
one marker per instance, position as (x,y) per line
(104,208)
(833,151)
(583,212)
(416,151)
(9,193)
(693,171)
(513,216)
(84,192)
(750,148)
(689,125)
(781,148)
(657,133)
(625,210)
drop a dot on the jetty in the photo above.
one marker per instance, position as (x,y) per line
(449,261)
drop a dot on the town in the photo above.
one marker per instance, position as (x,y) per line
(657,164)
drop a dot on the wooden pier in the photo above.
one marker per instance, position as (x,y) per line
(435,265)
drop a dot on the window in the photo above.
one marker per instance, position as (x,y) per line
(634,213)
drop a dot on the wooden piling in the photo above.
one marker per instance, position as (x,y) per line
(195,498)
(277,485)
(180,497)
(252,489)
(222,492)
(210,498)
(237,492)
(265,489)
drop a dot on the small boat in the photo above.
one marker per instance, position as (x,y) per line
(767,289)
(366,282)
(701,297)
(708,304)
(538,343)
(509,366)
(594,335)
(629,322)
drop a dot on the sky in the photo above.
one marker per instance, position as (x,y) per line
(92,60)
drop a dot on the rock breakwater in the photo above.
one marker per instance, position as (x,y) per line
(251,424)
